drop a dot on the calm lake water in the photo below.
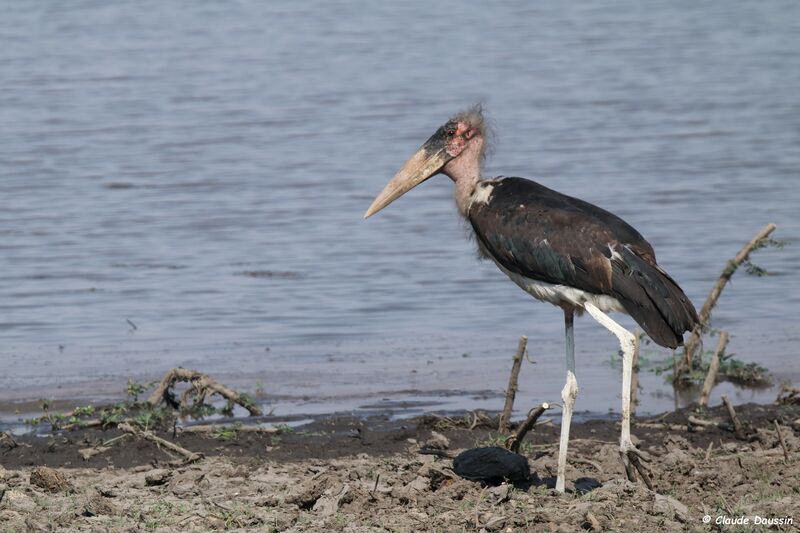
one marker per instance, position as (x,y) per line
(182,183)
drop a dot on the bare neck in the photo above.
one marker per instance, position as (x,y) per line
(465,171)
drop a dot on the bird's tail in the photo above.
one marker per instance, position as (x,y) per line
(653,299)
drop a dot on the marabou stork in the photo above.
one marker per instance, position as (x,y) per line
(559,249)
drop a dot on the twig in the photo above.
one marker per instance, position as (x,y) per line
(511,390)
(513,442)
(716,291)
(660,425)
(592,521)
(210,428)
(783,442)
(377,478)
(708,451)
(694,421)
(201,386)
(713,368)
(474,420)
(84,424)
(737,426)
(88,453)
(188,455)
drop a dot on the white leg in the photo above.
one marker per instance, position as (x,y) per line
(568,395)
(628,453)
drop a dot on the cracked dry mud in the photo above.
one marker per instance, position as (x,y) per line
(343,474)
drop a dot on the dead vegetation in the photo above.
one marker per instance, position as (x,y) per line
(694,363)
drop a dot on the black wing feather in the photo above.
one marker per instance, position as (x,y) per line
(522,227)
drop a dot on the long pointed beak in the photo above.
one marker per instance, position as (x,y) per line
(428,160)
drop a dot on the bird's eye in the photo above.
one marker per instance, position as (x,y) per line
(450,130)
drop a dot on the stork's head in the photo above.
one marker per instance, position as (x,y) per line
(456,145)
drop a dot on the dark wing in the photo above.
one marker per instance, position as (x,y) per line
(547,236)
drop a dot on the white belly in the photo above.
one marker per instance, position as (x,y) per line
(563,295)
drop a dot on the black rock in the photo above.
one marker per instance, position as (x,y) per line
(492,466)
(586,484)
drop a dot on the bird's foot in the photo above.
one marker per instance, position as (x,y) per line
(634,459)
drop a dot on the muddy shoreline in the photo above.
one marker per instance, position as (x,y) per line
(366,474)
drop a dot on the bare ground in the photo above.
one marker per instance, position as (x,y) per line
(344,474)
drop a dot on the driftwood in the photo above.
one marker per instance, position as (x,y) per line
(713,368)
(737,426)
(188,455)
(788,395)
(713,296)
(514,441)
(511,390)
(201,386)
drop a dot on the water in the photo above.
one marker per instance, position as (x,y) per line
(182,183)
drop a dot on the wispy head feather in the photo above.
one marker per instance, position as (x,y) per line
(474,116)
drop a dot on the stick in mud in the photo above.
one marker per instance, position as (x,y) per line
(511,391)
(713,368)
(188,455)
(201,385)
(211,428)
(783,442)
(713,296)
(695,423)
(737,426)
(513,442)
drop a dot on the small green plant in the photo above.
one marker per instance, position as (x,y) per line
(149,418)
(227,432)
(730,369)
(83,411)
(135,389)
(755,270)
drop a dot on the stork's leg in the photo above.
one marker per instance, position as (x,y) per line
(630,455)
(568,395)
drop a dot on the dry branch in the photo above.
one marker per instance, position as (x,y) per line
(713,368)
(788,395)
(694,421)
(511,391)
(737,426)
(513,442)
(201,386)
(188,455)
(716,291)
